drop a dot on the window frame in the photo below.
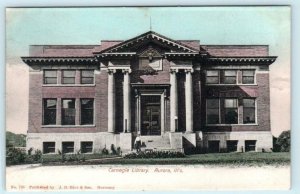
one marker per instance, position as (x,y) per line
(222,116)
(83,150)
(223,76)
(211,149)
(46,109)
(254,76)
(225,108)
(49,152)
(219,118)
(247,146)
(62,111)
(228,148)
(218,76)
(63,149)
(81,76)
(45,78)
(93,111)
(63,76)
(255,110)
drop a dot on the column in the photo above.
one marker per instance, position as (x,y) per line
(78,111)
(111,101)
(162,112)
(58,111)
(126,101)
(173,100)
(189,100)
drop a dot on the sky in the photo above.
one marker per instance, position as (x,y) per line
(210,25)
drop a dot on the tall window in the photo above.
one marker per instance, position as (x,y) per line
(231,111)
(49,116)
(87,77)
(229,77)
(68,76)
(50,77)
(87,111)
(225,111)
(68,112)
(248,76)
(212,76)
(212,111)
(248,111)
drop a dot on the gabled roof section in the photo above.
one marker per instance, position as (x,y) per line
(152,36)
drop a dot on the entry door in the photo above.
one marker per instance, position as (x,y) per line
(151,116)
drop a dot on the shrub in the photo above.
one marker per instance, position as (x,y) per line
(283,142)
(63,156)
(37,155)
(30,151)
(104,151)
(15,156)
(119,151)
(155,154)
(113,149)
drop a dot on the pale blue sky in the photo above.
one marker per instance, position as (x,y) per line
(210,25)
(221,25)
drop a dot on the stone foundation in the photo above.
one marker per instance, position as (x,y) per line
(177,141)
(264,140)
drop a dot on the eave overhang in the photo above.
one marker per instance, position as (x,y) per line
(258,59)
(36,60)
(116,54)
(171,54)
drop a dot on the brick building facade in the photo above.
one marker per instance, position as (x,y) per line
(176,95)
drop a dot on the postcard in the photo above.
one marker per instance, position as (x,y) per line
(148,98)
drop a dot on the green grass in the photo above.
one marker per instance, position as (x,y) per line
(49,158)
(220,159)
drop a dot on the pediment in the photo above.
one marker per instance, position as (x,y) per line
(150,53)
(150,39)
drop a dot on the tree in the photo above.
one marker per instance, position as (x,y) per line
(283,142)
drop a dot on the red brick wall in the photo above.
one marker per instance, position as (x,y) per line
(237,50)
(35,102)
(197,100)
(37,92)
(101,105)
(262,94)
(99,93)
(159,77)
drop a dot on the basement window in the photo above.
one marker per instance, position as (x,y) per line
(250,145)
(48,147)
(231,145)
(68,147)
(86,147)
(214,146)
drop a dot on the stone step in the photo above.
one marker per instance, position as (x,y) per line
(156,142)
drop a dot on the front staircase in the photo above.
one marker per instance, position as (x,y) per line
(154,143)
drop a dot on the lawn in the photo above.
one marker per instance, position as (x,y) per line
(228,159)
